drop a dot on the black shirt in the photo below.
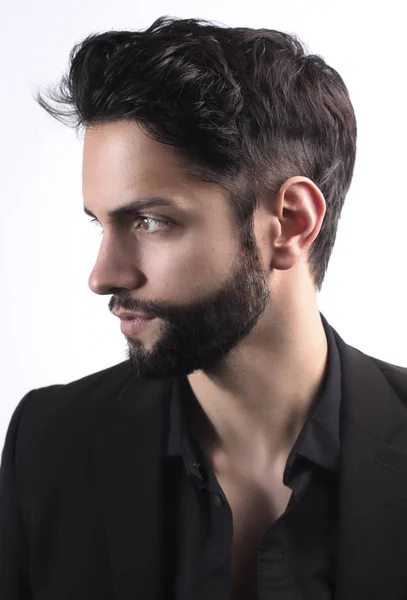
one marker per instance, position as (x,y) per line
(297,554)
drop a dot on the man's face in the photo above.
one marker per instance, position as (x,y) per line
(205,291)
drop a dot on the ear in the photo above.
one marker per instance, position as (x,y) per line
(300,209)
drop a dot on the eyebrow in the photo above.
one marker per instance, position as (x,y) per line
(135,206)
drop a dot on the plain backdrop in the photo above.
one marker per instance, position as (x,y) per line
(53,328)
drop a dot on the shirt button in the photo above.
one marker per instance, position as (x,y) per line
(218,500)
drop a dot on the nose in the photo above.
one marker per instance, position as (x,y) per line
(107,279)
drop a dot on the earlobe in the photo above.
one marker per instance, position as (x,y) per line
(285,258)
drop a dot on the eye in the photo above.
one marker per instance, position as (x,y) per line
(164,225)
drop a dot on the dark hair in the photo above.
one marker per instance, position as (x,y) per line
(245,108)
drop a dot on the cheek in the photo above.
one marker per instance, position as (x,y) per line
(193,265)
(182,273)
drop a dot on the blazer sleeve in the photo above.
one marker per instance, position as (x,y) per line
(14,583)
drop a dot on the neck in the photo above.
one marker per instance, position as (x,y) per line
(250,412)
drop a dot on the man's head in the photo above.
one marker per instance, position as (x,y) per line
(254,142)
(206,290)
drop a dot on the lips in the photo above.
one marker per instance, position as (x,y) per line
(132,327)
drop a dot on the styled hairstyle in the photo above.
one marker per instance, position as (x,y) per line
(245,108)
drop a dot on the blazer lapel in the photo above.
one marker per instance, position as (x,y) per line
(125,474)
(372,561)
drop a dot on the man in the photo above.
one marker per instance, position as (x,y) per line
(243,450)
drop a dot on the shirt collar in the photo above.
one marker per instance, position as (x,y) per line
(318,441)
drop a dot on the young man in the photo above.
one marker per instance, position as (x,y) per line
(243,450)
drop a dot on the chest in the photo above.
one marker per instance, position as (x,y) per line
(254,509)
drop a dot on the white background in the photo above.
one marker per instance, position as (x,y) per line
(53,328)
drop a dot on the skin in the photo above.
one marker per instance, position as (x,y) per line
(243,327)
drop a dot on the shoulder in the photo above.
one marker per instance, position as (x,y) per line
(74,400)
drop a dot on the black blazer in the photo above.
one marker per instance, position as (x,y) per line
(81,478)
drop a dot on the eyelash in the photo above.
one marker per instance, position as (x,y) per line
(167,224)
